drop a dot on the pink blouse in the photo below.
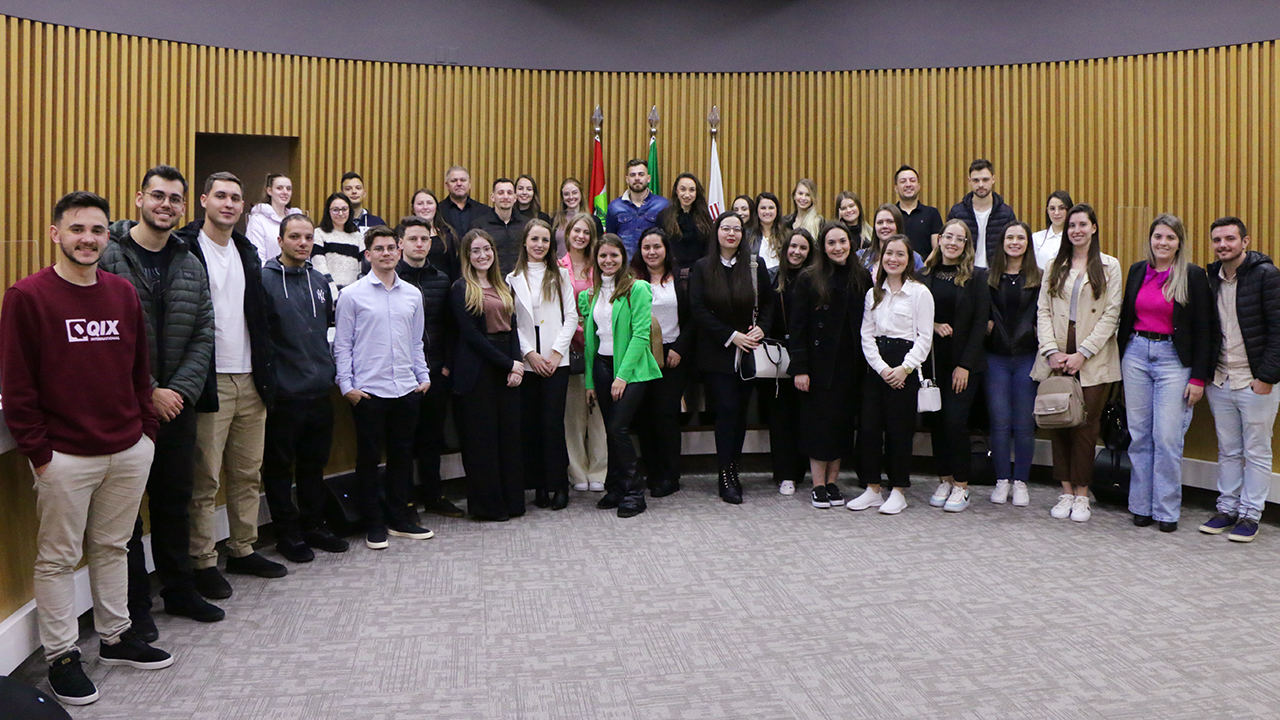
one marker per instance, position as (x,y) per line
(579,285)
(1154,313)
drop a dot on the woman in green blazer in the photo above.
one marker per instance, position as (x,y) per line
(617,311)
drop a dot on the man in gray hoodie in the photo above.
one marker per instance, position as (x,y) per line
(300,426)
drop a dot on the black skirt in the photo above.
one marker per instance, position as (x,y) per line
(828,416)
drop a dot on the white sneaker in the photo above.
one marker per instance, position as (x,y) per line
(787,488)
(958,500)
(1080,509)
(941,494)
(1001,494)
(896,503)
(581,487)
(1062,510)
(595,487)
(868,499)
(1020,496)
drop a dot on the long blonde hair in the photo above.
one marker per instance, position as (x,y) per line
(1175,286)
(475,292)
(964,267)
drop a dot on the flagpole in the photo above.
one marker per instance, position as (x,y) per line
(655,183)
(599,188)
(715,182)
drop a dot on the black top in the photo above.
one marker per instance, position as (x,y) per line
(438,333)
(460,219)
(154,268)
(1257,310)
(999,219)
(506,236)
(823,335)
(475,350)
(945,293)
(969,321)
(717,325)
(1196,330)
(921,225)
(690,245)
(1013,315)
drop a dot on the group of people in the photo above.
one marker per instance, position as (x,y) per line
(556,336)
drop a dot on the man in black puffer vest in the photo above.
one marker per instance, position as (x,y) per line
(438,340)
(984,211)
(174,292)
(1246,287)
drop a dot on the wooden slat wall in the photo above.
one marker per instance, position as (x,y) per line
(1193,133)
(1189,132)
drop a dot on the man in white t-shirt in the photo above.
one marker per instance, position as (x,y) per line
(984,211)
(241,385)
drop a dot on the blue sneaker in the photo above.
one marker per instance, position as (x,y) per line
(1244,531)
(1215,525)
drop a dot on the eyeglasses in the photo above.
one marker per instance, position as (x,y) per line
(949,236)
(158,198)
(730,229)
(383,250)
(340,211)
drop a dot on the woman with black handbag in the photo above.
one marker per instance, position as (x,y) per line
(826,357)
(583,426)
(1077,315)
(660,431)
(961,302)
(1168,327)
(731,308)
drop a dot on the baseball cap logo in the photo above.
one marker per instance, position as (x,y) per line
(82,330)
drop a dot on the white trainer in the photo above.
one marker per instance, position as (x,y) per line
(595,487)
(868,499)
(1021,498)
(787,487)
(1000,495)
(1080,509)
(1062,510)
(581,487)
(896,503)
(940,495)
(958,500)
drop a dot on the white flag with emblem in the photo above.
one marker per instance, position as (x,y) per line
(715,187)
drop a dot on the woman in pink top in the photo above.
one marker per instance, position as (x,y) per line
(583,425)
(1168,324)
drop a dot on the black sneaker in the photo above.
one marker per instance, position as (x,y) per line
(191,605)
(211,584)
(143,626)
(819,497)
(443,507)
(325,540)
(376,538)
(411,530)
(833,495)
(609,501)
(131,651)
(294,549)
(255,564)
(68,681)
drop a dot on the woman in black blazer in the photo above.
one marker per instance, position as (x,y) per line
(487,370)
(660,431)
(789,464)
(826,357)
(1168,333)
(962,302)
(730,322)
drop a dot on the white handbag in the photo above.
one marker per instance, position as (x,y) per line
(929,396)
(770,359)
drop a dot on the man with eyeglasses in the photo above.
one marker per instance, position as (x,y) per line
(382,372)
(174,291)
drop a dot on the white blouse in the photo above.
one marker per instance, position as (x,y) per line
(1045,244)
(602,315)
(666,307)
(906,314)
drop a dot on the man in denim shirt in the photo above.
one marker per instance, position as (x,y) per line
(636,210)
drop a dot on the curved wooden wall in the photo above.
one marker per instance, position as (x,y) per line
(1193,133)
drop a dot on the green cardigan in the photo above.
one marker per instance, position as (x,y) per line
(633,358)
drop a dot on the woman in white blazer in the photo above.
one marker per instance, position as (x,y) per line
(546,319)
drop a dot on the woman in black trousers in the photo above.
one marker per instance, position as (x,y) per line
(547,313)
(660,431)
(487,371)
(731,315)
(962,306)
(789,465)
(826,357)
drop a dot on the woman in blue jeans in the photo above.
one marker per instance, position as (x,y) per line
(1167,334)
(1014,281)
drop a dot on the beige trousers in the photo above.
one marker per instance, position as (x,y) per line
(229,440)
(584,436)
(86,505)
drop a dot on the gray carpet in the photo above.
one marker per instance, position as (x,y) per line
(772,609)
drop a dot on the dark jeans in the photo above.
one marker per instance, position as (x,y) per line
(546,457)
(489,426)
(428,444)
(623,478)
(1011,401)
(730,396)
(391,422)
(659,431)
(296,447)
(950,427)
(168,502)
(888,424)
(783,413)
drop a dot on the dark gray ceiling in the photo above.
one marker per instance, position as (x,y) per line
(683,36)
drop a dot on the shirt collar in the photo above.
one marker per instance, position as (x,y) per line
(1152,273)
(395,280)
(730,262)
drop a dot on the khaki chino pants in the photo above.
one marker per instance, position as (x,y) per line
(229,440)
(86,506)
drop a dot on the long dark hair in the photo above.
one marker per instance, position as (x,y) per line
(1065,197)
(551,278)
(820,271)
(535,203)
(1030,268)
(1061,266)
(641,268)
(623,279)
(752,223)
(326,222)
(442,229)
(776,231)
(669,218)
(908,271)
(784,269)
(728,295)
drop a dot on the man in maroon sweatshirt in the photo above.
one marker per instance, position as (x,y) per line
(77,397)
